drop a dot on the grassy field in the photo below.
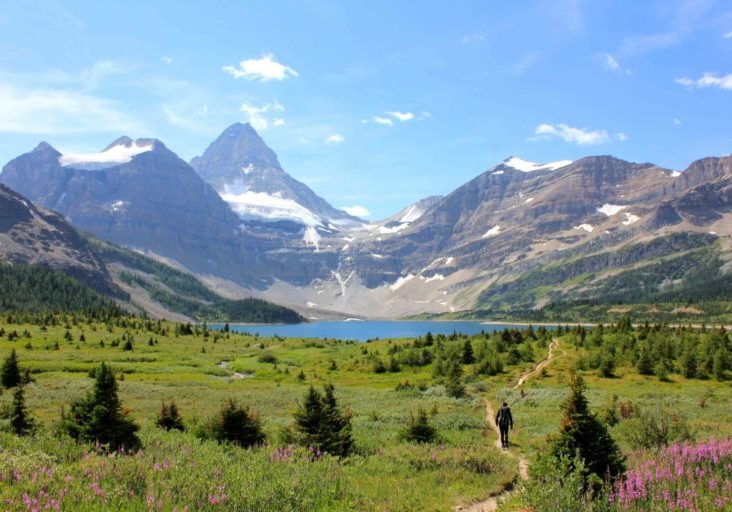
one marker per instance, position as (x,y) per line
(200,373)
(202,370)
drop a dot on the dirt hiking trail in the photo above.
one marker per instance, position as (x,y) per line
(491,503)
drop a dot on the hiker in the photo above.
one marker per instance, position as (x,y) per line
(504,420)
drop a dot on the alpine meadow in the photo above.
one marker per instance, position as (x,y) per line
(188,324)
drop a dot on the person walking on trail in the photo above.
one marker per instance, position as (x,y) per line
(504,420)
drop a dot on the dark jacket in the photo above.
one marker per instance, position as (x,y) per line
(504,419)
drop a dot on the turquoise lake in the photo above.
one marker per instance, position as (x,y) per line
(366,330)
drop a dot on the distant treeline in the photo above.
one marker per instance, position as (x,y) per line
(39,289)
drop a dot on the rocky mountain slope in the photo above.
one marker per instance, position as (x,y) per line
(519,235)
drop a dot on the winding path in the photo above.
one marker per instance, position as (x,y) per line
(491,503)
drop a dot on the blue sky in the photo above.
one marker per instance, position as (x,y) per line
(375,104)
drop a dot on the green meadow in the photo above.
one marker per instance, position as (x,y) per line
(203,369)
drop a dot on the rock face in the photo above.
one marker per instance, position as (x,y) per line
(248,175)
(519,233)
(34,236)
(138,194)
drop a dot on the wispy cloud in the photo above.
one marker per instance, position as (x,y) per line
(473,38)
(707,80)
(612,64)
(525,62)
(728,35)
(357,210)
(336,138)
(382,120)
(581,136)
(167,60)
(676,121)
(258,115)
(388,118)
(55,111)
(264,69)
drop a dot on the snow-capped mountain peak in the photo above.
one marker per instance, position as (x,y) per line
(121,151)
(525,166)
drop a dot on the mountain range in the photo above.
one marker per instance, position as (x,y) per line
(519,236)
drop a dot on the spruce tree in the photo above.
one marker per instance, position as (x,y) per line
(21,423)
(169,417)
(322,424)
(99,418)
(238,425)
(582,433)
(10,373)
(468,356)
(418,428)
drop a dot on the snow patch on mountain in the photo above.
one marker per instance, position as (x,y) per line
(312,237)
(401,282)
(115,155)
(436,277)
(610,209)
(413,213)
(269,207)
(587,227)
(495,230)
(630,219)
(525,166)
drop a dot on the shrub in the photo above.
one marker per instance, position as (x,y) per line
(169,417)
(237,425)
(267,357)
(657,428)
(98,418)
(418,429)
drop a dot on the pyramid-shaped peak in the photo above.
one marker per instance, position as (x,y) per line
(239,146)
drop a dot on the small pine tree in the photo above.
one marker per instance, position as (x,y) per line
(418,429)
(322,424)
(468,356)
(21,423)
(128,345)
(238,425)
(99,418)
(454,386)
(169,418)
(582,433)
(10,372)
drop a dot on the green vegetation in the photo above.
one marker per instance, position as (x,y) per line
(183,293)
(331,432)
(38,289)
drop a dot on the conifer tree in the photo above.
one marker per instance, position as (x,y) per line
(10,372)
(238,425)
(169,417)
(99,418)
(418,428)
(582,433)
(468,356)
(322,424)
(21,423)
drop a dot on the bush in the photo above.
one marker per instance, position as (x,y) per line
(657,428)
(98,418)
(560,486)
(237,425)
(169,417)
(267,357)
(418,429)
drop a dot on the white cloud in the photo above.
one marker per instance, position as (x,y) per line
(581,136)
(167,60)
(257,115)
(356,210)
(336,138)
(707,80)
(382,120)
(264,69)
(53,111)
(612,64)
(728,35)
(676,121)
(402,116)
(473,38)
(621,137)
